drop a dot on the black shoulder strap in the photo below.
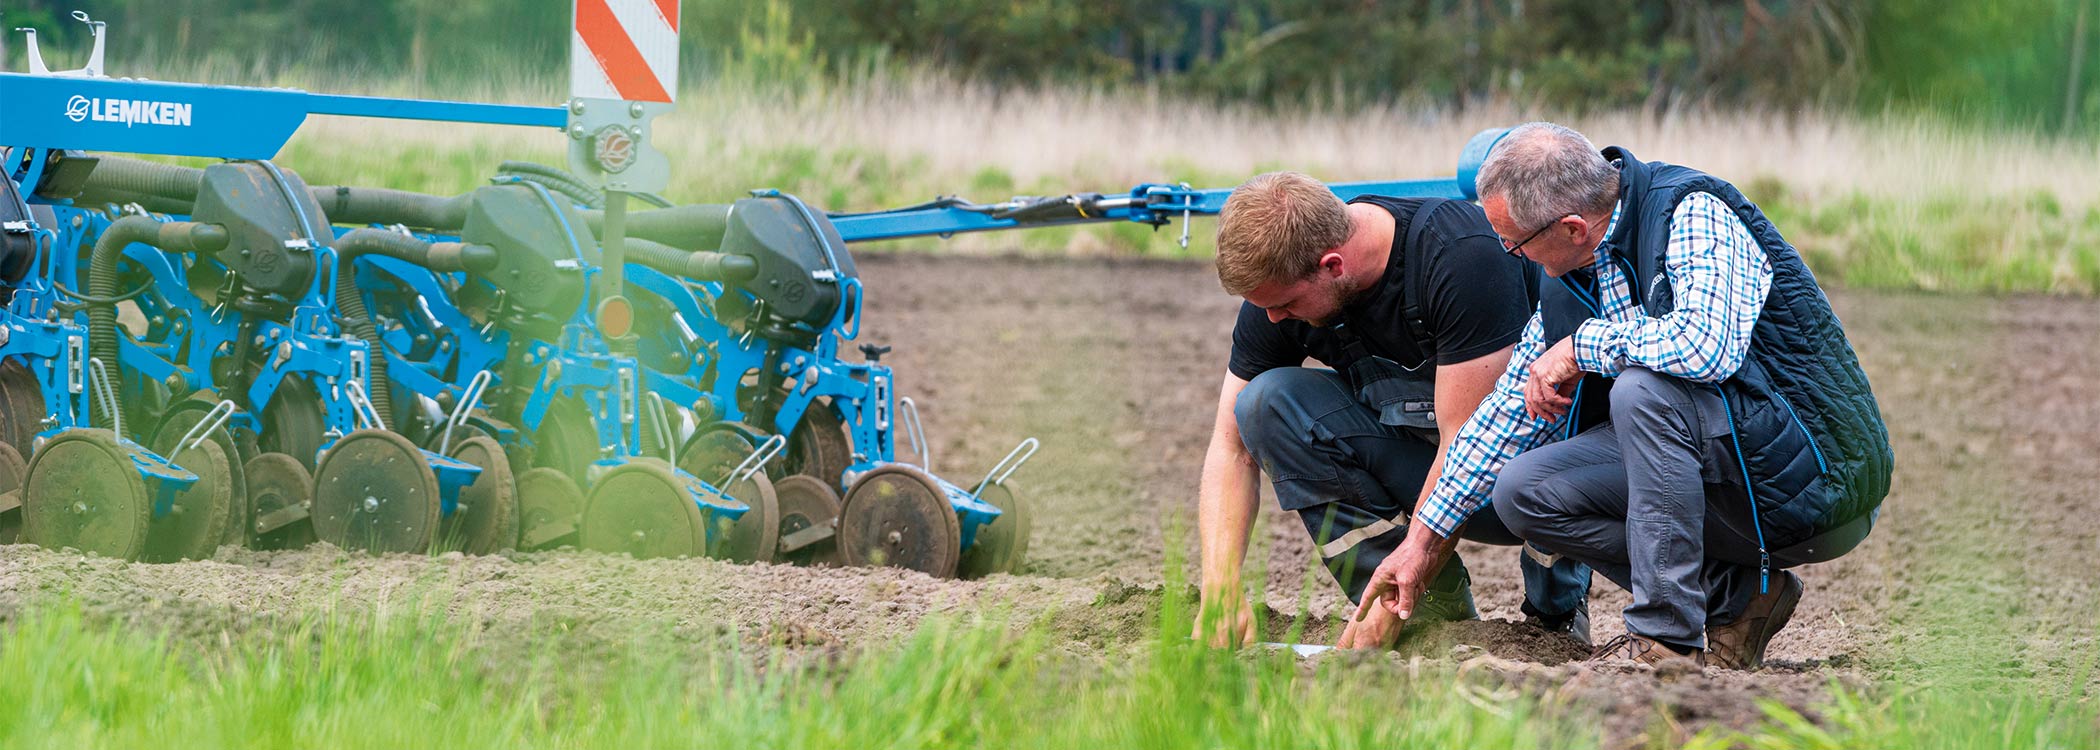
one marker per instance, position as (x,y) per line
(1417,276)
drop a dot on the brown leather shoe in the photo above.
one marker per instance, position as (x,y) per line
(1741,644)
(1644,650)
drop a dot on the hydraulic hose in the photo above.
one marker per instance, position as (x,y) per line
(581,197)
(697,225)
(120,175)
(173,236)
(444,257)
(347,205)
(159,204)
(704,265)
(567,183)
(172,189)
(556,180)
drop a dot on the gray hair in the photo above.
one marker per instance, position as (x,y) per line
(1547,171)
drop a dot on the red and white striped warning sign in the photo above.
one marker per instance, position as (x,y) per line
(624,49)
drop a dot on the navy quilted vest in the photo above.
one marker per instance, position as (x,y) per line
(1812,445)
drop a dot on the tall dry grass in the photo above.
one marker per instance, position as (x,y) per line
(1900,201)
(1096,139)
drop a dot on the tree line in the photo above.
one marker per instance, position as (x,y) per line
(2012,61)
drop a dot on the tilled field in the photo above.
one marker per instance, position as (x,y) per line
(1978,569)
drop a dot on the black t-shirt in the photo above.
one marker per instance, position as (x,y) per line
(1479,299)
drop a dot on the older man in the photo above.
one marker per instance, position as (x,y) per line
(1684,413)
(1415,307)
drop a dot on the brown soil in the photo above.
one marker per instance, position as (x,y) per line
(1977,570)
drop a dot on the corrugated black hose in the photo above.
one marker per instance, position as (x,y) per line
(171,236)
(443,257)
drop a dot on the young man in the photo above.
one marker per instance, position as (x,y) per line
(1415,307)
(1684,413)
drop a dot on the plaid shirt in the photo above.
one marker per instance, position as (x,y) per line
(1720,277)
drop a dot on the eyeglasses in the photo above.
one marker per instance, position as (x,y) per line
(1512,249)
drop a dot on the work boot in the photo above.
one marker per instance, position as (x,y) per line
(1449,597)
(1644,650)
(1573,624)
(1741,644)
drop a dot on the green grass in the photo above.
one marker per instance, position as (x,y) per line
(71,679)
(1921,720)
(404,680)
(1945,242)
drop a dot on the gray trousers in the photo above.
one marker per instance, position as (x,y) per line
(1645,499)
(1353,481)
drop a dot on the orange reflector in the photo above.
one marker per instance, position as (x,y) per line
(615,317)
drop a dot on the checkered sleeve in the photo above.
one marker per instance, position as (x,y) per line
(1719,277)
(1498,431)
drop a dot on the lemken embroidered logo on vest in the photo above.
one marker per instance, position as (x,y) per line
(128,111)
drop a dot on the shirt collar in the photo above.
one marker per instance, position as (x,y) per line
(1610,230)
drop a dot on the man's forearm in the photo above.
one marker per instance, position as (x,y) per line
(1226,503)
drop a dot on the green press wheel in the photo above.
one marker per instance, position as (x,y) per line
(641,508)
(375,492)
(485,520)
(1002,545)
(898,516)
(83,493)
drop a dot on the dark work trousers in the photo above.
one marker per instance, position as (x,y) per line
(1353,480)
(1644,500)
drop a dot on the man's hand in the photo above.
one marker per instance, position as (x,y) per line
(1227,617)
(1549,391)
(1377,630)
(1399,582)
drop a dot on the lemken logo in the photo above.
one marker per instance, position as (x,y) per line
(128,111)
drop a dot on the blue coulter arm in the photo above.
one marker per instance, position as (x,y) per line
(1154,204)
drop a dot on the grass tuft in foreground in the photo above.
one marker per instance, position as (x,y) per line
(405,679)
(68,679)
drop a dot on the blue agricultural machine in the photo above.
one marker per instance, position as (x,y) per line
(200,356)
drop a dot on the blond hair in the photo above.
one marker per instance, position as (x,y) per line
(1275,227)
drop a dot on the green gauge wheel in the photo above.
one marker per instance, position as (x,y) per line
(375,492)
(485,521)
(710,455)
(715,449)
(897,516)
(1002,545)
(293,422)
(435,440)
(280,491)
(195,524)
(641,508)
(549,507)
(754,536)
(818,447)
(567,439)
(242,515)
(22,406)
(12,471)
(83,493)
(807,502)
